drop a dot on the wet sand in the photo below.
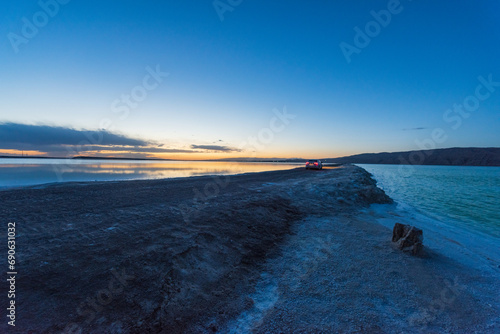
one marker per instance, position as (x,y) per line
(283,251)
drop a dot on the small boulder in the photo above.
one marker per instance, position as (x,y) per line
(408,238)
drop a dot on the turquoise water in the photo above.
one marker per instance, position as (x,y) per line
(27,172)
(458,195)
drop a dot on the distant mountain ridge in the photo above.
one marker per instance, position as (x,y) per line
(457,156)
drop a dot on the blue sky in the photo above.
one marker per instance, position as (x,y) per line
(225,77)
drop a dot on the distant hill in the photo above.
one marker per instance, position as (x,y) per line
(457,156)
(471,156)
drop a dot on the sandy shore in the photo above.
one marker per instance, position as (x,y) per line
(285,251)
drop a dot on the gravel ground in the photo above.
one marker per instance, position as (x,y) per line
(285,251)
(341,274)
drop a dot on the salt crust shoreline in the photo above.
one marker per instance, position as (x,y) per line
(287,251)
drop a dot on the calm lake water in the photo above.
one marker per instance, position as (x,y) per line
(465,196)
(25,172)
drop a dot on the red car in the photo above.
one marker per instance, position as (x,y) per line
(314,164)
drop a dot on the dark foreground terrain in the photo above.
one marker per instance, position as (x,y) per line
(286,251)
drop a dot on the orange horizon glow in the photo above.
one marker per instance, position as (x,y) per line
(181,156)
(174,156)
(21,152)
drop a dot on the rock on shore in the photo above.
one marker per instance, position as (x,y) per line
(408,238)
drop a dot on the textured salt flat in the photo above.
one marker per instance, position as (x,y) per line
(285,251)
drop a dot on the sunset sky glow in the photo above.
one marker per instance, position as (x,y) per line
(217,79)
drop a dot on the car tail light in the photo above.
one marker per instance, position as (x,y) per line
(316,163)
(307,163)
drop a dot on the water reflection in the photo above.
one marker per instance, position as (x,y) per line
(23,172)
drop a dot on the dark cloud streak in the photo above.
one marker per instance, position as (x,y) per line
(215,148)
(63,141)
(42,135)
(415,129)
(57,141)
